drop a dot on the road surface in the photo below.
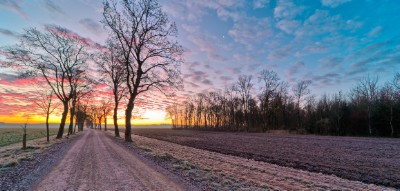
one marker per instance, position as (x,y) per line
(97,162)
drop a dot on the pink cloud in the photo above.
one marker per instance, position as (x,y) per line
(72,35)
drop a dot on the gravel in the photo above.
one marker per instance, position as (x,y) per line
(163,164)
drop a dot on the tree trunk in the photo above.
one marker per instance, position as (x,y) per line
(391,120)
(105,123)
(128,117)
(24,137)
(71,117)
(115,119)
(63,119)
(100,123)
(47,126)
(369,121)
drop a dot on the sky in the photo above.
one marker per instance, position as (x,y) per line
(332,43)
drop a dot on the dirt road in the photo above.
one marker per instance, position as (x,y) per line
(97,162)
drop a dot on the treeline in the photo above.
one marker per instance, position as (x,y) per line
(368,110)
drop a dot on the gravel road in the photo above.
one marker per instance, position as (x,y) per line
(97,161)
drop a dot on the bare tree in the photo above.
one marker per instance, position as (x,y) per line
(105,109)
(243,87)
(300,90)
(44,100)
(172,114)
(367,88)
(81,88)
(111,66)
(150,56)
(389,97)
(396,82)
(271,82)
(57,56)
(81,114)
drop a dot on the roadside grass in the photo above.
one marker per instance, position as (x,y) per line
(13,154)
(10,136)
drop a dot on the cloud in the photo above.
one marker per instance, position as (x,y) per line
(70,34)
(314,48)
(258,4)
(250,31)
(190,28)
(333,3)
(378,57)
(13,81)
(52,7)
(204,43)
(207,82)
(286,9)
(330,62)
(321,81)
(226,78)
(9,33)
(288,26)
(217,58)
(8,76)
(281,53)
(91,25)
(195,10)
(14,5)
(322,23)
(193,85)
(176,9)
(236,71)
(294,69)
(195,76)
(375,31)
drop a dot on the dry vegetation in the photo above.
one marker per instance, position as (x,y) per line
(370,160)
(225,172)
(13,154)
(10,136)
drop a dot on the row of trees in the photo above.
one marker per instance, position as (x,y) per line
(140,55)
(369,109)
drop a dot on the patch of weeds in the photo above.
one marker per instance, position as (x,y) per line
(194,175)
(167,157)
(26,158)
(184,165)
(30,148)
(145,149)
(9,164)
(264,186)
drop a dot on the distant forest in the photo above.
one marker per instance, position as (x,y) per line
(369,109)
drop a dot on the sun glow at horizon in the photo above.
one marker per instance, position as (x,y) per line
(150,117)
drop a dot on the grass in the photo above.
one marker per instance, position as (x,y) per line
(13,154)
(10,136)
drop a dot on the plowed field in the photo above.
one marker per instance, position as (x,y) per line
(370,160)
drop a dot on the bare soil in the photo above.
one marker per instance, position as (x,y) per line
(370,160)
(97,162)
(218,171)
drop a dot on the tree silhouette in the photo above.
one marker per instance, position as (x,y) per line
(150,56)
(57,56)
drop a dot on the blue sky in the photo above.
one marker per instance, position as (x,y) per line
(333,43)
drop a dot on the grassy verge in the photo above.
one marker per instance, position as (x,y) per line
(12,154)
(10,136)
